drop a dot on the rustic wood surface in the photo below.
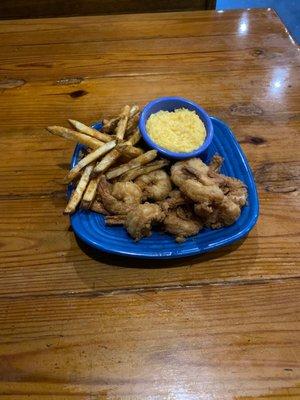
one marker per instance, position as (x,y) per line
(62,8)
(78,324)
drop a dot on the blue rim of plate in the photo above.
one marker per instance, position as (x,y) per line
(90,227)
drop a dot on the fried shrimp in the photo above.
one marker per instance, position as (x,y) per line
(128,192)
(140,220)
(198,192)
(218,215)
(194,169)
(234,189)
(121,198)
(155,186)
(179,174)
(181,223)
(174,199)
(216,163)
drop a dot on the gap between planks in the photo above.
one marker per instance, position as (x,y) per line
(147,289)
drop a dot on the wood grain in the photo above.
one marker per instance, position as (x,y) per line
(223,339)
(59,8)
(76,323)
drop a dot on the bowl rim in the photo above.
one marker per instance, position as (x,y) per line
(204,116)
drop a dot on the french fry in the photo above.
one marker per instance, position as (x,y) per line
(136,162)
(134,110)
(88,159)
(129,152)
(98,207)
(110,125)
(132,124)
(135,137)
(78,192)
(74,135)
(134,173)
(90,193)
(107,161)
(103,137)
(121,127)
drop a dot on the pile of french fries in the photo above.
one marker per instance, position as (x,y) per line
(111,151)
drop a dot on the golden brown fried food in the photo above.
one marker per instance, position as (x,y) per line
(121,127)
(74,135)
(137,171)
(179,173)
(174,199)
(155,186)
(78,192)
(93,156)
(218,215)
(119,198)
(128,192)
(103,137)
(136,162)
(234,189)
(198,192)
(216,163)
(109,125)
(90,193)
(182,223)
(140,220)
(132,124)
(98,207)
(134,137)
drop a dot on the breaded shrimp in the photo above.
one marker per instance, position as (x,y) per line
(218,215)
(174,199)
(215,163)
(140,220)
(182,223)
(234,189)
(121,198)
(155,186)
(179,174)
(128,192)
(198,192)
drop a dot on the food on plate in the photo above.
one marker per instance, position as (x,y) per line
(90,193)
(103,137)
(155,185)
(135,162)
(145,169)
(76,136)
(182,223)
(93,156)
(140,220)
(79,190)
(180,130)
(98,207)
(133,187)
(121,127)
(119,199)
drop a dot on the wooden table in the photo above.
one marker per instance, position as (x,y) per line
(78,324)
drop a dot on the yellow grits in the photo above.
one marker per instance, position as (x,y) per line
(180,130)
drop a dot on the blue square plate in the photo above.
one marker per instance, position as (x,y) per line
(90,226)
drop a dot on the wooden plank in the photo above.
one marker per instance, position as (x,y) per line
(76,323)
(41,255)
(143,26)
(24,159)
(59,8)
(225,341)
(133,58)
(37,104)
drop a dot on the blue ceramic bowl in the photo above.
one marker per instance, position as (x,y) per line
(170,104)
